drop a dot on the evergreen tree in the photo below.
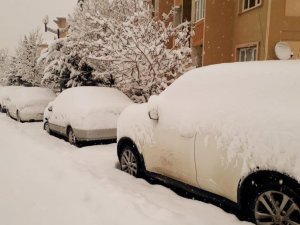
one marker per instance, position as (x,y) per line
(27,71)
(4,60)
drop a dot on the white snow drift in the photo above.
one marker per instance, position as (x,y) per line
(45,181)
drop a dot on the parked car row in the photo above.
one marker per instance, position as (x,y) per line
(229,133)
(79,114)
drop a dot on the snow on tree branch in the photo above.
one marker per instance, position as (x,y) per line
(118,43)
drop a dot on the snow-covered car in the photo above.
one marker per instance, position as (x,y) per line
(228,131)
(28,103)
(5,92)
(86,113)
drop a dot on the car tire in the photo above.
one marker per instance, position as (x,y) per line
(130,161)
(277,205)
(71,137)
(47,128)
(18,117)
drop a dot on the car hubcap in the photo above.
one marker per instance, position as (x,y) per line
(276,208)
(129,162)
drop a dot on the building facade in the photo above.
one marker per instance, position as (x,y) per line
(237,30)
(62,25)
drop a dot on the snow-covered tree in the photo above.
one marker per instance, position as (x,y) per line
(119,43)
(4,60)
(130,46)
(56,72)
(89,36)
(62,67)
(27,71)
(11,74)
(141,58)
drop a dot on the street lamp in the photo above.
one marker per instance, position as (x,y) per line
(46,21)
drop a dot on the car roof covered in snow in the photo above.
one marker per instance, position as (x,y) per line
(89,97)
(25,95)
(6,91)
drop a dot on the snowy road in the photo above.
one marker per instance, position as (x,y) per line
(46,181)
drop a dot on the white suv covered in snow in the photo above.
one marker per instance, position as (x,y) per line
(231,130)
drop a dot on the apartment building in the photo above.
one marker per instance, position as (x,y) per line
(237,30)
(62,25)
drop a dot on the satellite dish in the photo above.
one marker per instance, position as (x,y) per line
(283,50)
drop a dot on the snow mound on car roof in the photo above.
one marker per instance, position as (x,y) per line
(90,107)
(30,96)
(7,91)
(253,107)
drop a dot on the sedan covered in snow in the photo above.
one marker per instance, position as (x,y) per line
(5,92)
(29,103)
(228,131)
(86,113)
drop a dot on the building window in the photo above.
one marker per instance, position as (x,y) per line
(199,6)
(248,54)
(249,4)
(292,8)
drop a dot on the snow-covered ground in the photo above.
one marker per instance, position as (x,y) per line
(46,181)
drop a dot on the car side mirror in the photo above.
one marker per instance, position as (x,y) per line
(153,107)
(50,108)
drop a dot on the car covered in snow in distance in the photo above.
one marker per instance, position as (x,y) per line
(5,92)
(27,104)
(228,131)
(86,113)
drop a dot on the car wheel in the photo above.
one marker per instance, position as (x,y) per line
(276,206)
(47,127)
(71,137)
(130,161)
(19,117)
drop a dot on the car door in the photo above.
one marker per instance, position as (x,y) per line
(55,123)
(171,154)
(216,171)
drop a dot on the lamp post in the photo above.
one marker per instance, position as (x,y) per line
(46,21)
